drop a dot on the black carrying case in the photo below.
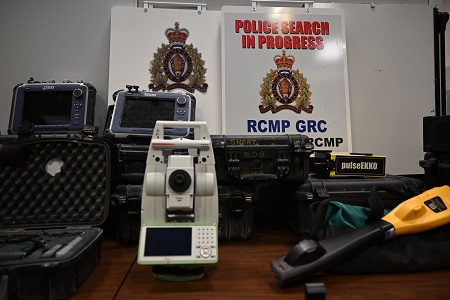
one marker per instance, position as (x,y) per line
(436,145)
(254,158)
(436,166)
(128,163)
(246,165)
(43,206)
(126,202)
(246,168)
(236,211)
(299,202)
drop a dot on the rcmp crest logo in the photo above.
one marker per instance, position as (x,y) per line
(177,65)
(285,88)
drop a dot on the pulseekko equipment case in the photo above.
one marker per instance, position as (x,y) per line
(53,194)
(307,204)
(298,202)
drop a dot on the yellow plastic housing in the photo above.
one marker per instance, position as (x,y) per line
(428,210)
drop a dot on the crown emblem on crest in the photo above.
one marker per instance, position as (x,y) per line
(283,61)
(177,34)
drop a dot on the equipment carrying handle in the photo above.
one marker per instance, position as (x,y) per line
(201,136)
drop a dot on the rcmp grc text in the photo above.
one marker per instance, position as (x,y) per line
(301,126)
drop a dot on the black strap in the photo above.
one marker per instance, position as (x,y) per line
(376,206)
(318,213)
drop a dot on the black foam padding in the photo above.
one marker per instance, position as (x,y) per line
(77,195)
(14,155)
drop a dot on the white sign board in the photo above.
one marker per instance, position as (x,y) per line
(144,48)
(285,71)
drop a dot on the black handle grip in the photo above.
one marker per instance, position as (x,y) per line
(309,257)
(259,176)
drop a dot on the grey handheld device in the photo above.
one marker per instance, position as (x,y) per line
(136,112)
(52,107)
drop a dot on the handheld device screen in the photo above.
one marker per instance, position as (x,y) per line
(143,113)
(44,108)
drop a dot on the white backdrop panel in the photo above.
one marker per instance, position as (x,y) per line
(136,34)
(391,79)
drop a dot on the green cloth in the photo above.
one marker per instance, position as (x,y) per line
(348,216)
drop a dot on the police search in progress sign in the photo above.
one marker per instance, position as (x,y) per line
(284,71)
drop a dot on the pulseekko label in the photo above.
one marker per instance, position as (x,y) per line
(360,165)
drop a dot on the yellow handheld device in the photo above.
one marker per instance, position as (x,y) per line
(428,210)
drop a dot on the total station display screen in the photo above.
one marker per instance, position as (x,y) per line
(47,108)
(168,241)
(143,113)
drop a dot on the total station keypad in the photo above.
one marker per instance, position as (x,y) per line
(206,237)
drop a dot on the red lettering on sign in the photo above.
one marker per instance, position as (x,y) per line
(256,26)
(238,25)
(319,44)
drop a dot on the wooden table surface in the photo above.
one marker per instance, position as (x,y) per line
(243,272)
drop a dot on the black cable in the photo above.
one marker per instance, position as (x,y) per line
(124,278)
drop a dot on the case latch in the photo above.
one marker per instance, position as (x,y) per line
(89,132)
